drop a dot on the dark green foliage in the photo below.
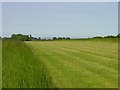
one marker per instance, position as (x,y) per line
(30,38)
(68,38)
(6,38)
(54,38)
(39,38)
(98,37)
(34,38)
(20,37)
(61,38)
(118,35)
(110,36)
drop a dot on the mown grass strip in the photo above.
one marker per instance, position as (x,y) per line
(79,68)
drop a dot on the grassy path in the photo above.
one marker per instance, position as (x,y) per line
(79,63)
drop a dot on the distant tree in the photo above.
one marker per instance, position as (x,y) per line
(20,37)
(54,38)
(97,37)
(39,38)
(118,35)
(30,37)
(26,38)
(34,38)
(43,39)
(5,38)
(109,36)
(64,38)
(13,36)
(49,39)
(68,38)
(60,38)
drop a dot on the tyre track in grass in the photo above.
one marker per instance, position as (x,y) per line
(69,64)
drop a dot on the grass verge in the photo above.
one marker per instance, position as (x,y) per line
(21,68)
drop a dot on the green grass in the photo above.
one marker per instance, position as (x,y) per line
(0,63)
(21,69)
(91,63)
(80,63)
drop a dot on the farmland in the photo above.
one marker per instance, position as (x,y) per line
(61,64)
(0,63)
(21,69)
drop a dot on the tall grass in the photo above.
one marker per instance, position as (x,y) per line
(21,69)
(0,63)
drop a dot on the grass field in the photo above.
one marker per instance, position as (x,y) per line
(21,69)
(0,63)
(65,64)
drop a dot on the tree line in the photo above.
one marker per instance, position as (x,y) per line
(22,37)
(109,36)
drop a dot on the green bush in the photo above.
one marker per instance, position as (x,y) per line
(20,37)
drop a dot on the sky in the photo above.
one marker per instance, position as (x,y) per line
(0,19)
(60,19)
(59,0)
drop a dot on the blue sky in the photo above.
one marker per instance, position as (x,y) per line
(59,0)
(49,19)
(0,19)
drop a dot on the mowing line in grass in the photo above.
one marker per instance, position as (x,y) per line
(68,63)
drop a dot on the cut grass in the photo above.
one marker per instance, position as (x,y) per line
(91,63)
(21,69)
(80,63)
